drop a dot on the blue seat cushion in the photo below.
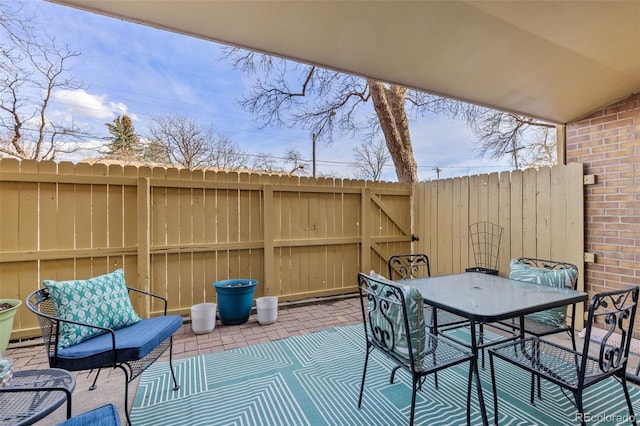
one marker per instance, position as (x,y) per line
(107,415)
(132,343)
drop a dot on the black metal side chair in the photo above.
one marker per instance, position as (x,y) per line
(408,266)
(546,273)
(485,240)
(394,324)
(553,321)
(572,370)
(132,348)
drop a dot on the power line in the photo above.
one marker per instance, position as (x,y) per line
(276,157)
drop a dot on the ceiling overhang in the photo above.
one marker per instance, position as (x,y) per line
(553,60)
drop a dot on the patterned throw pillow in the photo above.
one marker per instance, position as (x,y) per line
(393,320)
(563,278)
(102,301)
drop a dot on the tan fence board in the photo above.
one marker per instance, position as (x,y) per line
(9,199)
(504,219)
(529,206)
(82,216)
(48,202)
(543,213)
(515,245)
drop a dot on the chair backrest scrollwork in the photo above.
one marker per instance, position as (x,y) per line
(394,320)
(551,265)
(615,311)
(407,266)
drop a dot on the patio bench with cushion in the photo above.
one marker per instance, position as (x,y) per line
(91,324)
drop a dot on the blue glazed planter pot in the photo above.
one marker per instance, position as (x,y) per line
(235,298)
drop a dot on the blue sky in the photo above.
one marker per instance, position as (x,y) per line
(144,72)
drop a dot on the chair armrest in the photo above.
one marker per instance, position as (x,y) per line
(104,329)
(58,319)
(146,293)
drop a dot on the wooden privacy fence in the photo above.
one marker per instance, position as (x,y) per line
(541,213)
(175,232)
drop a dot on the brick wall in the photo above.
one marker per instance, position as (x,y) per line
(608,144)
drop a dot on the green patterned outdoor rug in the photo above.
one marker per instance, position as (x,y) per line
(315,379)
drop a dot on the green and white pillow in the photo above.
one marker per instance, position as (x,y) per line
(103,301)
(562,278)
(415,315)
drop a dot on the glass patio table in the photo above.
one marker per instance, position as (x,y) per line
(33,394)
(485,299)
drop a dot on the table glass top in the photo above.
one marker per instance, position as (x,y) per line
(489,298)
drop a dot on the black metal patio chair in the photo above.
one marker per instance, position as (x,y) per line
(553,321)
(485,241)
(394,324)
(408,266)
(574,370)
(546,273)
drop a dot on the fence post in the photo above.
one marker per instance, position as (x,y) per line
(144,240)
(269,255)
(365,231)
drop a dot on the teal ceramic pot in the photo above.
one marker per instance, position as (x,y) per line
(235,299)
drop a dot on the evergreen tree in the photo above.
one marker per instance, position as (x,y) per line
(125,143)
(155,152)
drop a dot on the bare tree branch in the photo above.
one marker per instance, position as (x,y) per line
(32,68)
(328,103)
(370,160)
(194,146)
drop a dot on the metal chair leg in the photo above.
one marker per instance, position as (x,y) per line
(95,380)
(469,379)
(176,386)
(126,392)
(364,373)
(579,405)
(623,382)
(494,389)
(393,374)
(413,399)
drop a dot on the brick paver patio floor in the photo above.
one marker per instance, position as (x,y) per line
(294,319)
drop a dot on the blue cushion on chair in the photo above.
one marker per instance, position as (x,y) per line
(107,415)
(132,343)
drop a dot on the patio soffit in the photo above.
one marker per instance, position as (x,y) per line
(554,60)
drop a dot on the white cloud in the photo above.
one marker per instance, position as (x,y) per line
(81,103)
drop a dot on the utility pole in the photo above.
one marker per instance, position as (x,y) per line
(314,137)
(514,152)
(438,170)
